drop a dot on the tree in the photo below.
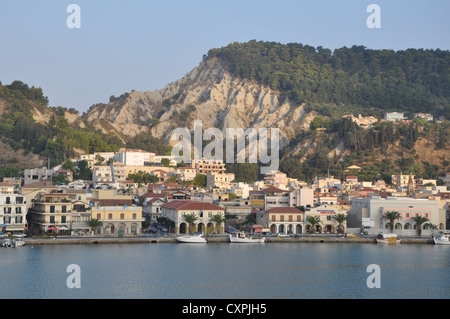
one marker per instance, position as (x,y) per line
(313,221)
(420,220)
(94,223)
(392,216)
(340,219)
(190,219)
(218,219)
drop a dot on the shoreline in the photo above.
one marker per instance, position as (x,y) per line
(139,240)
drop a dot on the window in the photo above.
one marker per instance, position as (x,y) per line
(63,219)
(8,200)
(329,218)
(122,216)
(209,214)
(52,219)
(110,216)
(201,214)
(99,216)
(134,216)
(64,209)
(18,210)
(298,218)
(274,218)
(407,215)
(282,218)
(290,218)
(52,209)
(19,200)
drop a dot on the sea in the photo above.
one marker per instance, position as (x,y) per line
(225,271)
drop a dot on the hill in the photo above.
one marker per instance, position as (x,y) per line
(302,90)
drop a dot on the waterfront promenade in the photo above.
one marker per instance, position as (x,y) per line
(216,239)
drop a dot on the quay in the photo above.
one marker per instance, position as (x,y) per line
(218,239)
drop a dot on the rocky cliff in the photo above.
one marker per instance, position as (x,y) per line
(207,93)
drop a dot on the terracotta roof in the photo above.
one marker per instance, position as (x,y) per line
(191,205)
(285,210)
(272,189)
(151,194)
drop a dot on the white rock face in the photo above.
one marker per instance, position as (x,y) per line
(208,93)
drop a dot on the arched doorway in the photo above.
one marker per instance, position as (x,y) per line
(398,226)
(273,229)
(281,228)
(200,227)
(121,229)
(298,229)
(290,229)
(209,228)
(329,229)
(183,228)
(407,226)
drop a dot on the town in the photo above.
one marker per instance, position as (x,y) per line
(133,192)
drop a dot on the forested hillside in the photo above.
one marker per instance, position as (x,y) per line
(413,80)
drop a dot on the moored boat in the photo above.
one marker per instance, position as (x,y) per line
(197,238)
(243,238)
(442,238)
(18,242)
(388,239)
(6,242)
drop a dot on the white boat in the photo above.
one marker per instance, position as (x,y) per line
(388,239)
(198,238)
(18,242)
(243,238)
(6,242)
(442,239)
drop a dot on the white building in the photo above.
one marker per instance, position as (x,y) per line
(133,157)
(217,180)
(13,210)
(302,197)
(368,212)
(394,116)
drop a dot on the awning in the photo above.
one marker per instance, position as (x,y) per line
(63,228)
(52,228)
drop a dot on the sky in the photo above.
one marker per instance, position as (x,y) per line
(146,44)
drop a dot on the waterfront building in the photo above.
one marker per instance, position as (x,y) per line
(118,217)
(368,212)
(177,209)
(325,214)
(151,210)
(50,212)
(13,210)
(289,220)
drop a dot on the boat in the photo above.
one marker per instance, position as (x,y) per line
(18,242)
(6,242)
(241,237)
(196,238)
(388,239)
(442,238)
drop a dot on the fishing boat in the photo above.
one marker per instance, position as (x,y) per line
(196,238)
(241,237)
(388,239)
(442,238)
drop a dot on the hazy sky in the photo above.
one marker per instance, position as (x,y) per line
(144,45)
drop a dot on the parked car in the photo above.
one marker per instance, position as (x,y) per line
(282,235)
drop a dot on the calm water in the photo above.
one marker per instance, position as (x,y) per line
(270,271)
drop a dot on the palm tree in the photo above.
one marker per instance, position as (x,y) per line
(190,219)
(313,221)
(218,219)
(95,223)
(420,220)
(340,219)
(392,216)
